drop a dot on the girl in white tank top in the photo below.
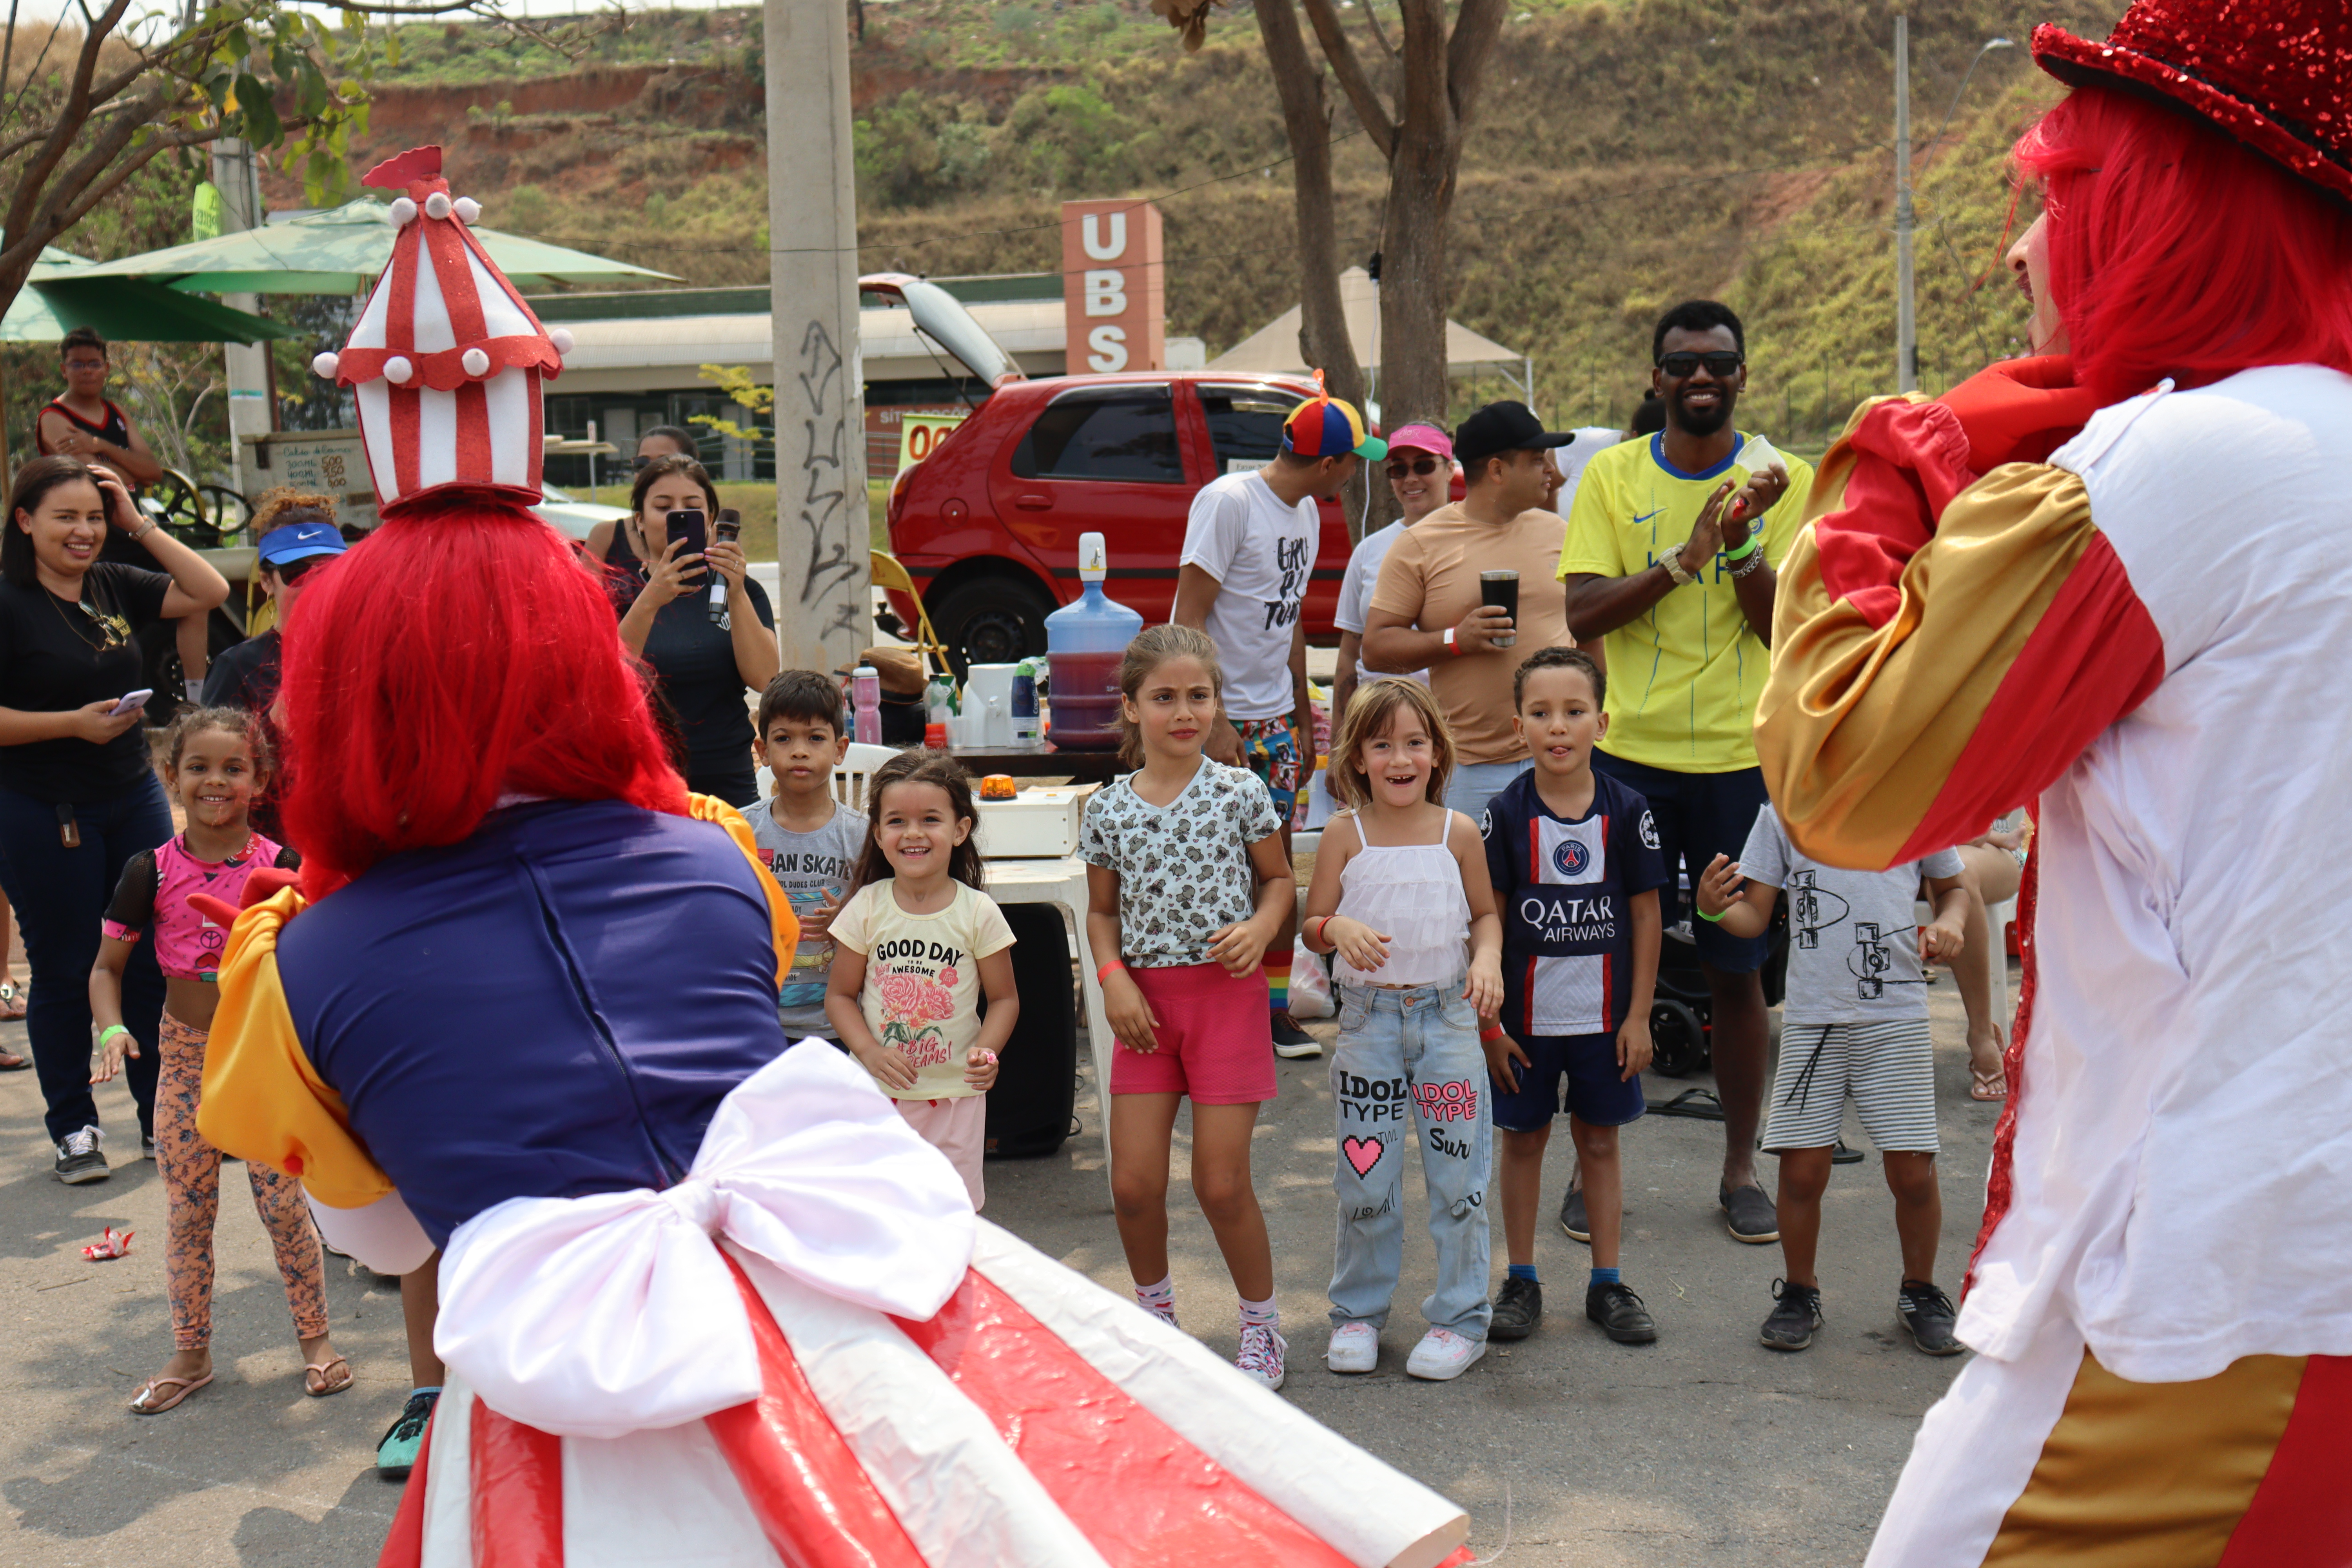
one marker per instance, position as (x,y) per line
(1401,896)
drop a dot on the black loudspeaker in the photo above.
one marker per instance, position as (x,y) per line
(1029,1109)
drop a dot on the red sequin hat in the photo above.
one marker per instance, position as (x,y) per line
(446,360)
(2270,73)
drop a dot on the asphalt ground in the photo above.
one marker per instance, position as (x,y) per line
(1704,1449)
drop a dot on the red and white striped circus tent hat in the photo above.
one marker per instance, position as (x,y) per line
(446,359)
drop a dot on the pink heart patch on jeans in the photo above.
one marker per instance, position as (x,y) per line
(1362,1153)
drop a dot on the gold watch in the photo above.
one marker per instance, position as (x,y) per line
(1673,561)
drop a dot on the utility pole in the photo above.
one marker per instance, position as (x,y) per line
(825,609)
(247,364)
(1907,324)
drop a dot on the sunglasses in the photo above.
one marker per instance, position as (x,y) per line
(1401,467)
(295,570)
(1679,365)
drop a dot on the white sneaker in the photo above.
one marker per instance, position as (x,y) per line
(1263,1349)
(1442,1355)
(1355,1347)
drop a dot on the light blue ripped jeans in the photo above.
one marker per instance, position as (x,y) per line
(1408,1071)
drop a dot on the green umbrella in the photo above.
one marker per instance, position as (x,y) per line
(62,294)
(341,251)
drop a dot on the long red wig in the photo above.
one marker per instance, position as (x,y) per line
(2177,251)
(446,659)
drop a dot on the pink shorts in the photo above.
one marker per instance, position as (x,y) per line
(1215,1035)
(957,1128)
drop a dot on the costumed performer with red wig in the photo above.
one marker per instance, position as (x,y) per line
(704,1295)
(2110,579)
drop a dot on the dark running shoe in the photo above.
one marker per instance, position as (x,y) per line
(1291,1042)
(1518,1307)
(79,1159)
(395,1451)
(1796,1315)
(1620,1313)
(1929,1314)
(1571,1216)
(1749,1214)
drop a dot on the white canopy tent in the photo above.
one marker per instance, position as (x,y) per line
(1274,348)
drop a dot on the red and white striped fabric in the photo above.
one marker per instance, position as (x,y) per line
(446,359)
(745,1400)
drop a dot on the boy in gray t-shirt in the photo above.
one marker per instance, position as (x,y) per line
(1855,1023)
(808,841)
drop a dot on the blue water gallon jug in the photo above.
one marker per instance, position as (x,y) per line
(1084,643)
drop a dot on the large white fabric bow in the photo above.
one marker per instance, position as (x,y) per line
(599,1316)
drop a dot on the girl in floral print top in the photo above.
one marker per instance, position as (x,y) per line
(915,946)
(1188,882)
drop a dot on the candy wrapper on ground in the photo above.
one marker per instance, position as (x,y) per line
(114,1244)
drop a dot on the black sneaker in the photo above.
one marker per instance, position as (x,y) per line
(146,1145)
(1794,1318)
(1293,1042)
(1620,1313)
(1571,1216)
(1929,1314)
(395,1451)
(1749,1214)
(1518,1307)
(79,1160)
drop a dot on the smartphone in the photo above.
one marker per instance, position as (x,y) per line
(130,702)
(688,525)
(729,525)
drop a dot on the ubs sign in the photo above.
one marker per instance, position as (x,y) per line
(1113,287)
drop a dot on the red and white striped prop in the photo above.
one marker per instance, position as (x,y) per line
(811,1352)
(446,359)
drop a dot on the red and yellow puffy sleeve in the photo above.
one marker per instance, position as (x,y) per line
(786,924)
(263,1100)
(1944,645)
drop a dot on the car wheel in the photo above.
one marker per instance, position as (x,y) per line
(991,620)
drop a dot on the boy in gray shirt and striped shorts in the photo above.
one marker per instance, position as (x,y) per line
(1854,1023)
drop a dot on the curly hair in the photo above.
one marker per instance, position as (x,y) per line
(272,508)
(242,722)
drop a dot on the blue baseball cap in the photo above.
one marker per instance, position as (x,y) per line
(301,542)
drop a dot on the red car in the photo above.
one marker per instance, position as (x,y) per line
(988,524)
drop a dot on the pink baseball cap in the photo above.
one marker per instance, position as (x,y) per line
(1423,438)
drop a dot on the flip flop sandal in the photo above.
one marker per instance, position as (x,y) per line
(146,1405)
(323,1368)
(12,1001)
(1994,1085)
(9,1062)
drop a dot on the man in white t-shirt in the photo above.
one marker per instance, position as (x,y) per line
(1249,553)
(1421,477)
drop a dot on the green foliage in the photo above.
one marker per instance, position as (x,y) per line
(1016,21)
(528,208)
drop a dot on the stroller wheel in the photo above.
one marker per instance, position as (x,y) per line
(1677,1041)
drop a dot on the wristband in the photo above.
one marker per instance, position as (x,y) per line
(1452,646)
(1491,1033)
(109,1033)
(1102,970)
(1315,936)
(1711,920)
(1754,538)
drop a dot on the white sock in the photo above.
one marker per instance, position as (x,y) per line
(1159,1299)
(1261,1314)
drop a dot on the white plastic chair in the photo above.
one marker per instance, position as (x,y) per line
(857,769)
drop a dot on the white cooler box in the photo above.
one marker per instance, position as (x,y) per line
(1040,823)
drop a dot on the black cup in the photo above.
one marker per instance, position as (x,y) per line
(1501,589)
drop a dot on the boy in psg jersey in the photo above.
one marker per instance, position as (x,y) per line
(1574,858)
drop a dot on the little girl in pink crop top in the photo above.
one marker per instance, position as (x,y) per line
(216,763)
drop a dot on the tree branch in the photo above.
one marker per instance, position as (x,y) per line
(1476,28)
(1370,113)
(1372,15)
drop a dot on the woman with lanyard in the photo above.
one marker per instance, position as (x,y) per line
(78,794)
(702,665)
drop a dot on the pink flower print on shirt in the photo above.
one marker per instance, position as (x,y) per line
(911,1003)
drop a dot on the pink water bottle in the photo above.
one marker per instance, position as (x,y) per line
(866,705)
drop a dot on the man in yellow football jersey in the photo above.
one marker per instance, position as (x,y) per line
(1670,554)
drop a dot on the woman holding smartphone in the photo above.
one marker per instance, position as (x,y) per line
(661,589)
(77,790)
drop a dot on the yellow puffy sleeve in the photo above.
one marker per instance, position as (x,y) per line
(786,924)
(263,1100)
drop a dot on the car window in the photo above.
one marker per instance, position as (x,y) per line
(1245,424)
(1125,433)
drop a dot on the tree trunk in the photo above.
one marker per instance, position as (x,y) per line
(1322,324)
(1413,382)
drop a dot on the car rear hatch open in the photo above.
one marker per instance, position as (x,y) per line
(946,328)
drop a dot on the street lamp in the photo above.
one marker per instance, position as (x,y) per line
(1906,323)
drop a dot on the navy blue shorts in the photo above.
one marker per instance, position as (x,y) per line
(1699,816)
(1575,1073)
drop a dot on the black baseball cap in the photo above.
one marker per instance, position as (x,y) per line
(1500,428)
